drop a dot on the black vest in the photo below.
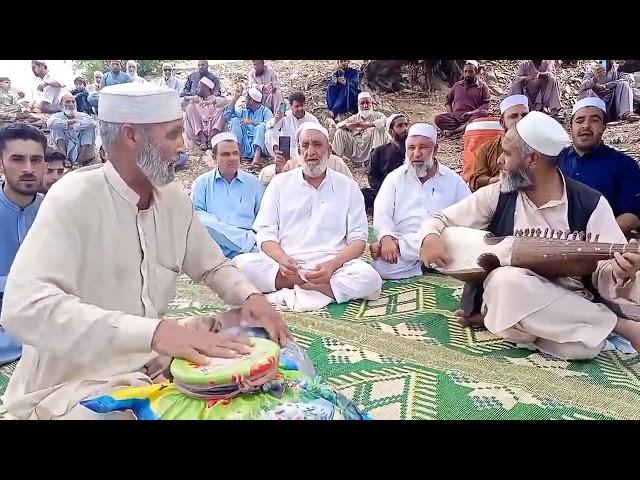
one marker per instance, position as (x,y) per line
(581,202)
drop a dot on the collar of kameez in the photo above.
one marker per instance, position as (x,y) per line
(327,177)
(119,185)
(217,175)
(551,203)
(8,203)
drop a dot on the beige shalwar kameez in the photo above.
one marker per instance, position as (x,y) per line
(356,145)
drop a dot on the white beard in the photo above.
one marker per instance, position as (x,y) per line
(422,170)
(152,165)
(516,181)
(365,114)
(315,170)
(69,112)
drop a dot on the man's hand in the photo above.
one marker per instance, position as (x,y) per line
(322,273)
(436,251)
(196,345)
(280,159)
(626,265)
(20,94)
(600,73)
(278,117)
(374,249)
(71,122)
(389,249)
(288,267)
(267,89)
(41,87)
(273,322)
(239,89)
(246,121)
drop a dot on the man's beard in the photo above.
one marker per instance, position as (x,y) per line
(69,112)
(153,166)
(422,170)
(401,139)
(515,181)
(315,171)
(366,114)
(470,80)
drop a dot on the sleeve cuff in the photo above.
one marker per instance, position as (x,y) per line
(356,236)
(136,333)
(262,237)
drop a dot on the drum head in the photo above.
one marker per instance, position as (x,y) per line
(225,371)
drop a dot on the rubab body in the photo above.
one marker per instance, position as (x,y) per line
(549,253)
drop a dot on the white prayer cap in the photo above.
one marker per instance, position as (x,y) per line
(223,137)
(139,103)
(132,62)
(512,101)
(423,130)
(472,62)
(391,118)
(312,126)
(207,82)
(543,133)
(255,94)
(362,95)
(167,65)
(589,102)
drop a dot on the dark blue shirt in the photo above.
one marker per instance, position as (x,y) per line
(613,173)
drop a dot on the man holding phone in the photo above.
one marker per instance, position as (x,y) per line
(537,80)
(286,123)
(613,87)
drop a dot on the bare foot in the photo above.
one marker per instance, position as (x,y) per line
(375,249)
(630,330)
(475,320)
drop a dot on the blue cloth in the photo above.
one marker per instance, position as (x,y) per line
(344,98)
(111,79)
(614,174)
(228,209)
(15,222)
(250,136)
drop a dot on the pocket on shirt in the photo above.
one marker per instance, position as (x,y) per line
(162,288)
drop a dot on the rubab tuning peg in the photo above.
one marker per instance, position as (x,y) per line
(595,240)
(538,232)
(589,237)
(546,232)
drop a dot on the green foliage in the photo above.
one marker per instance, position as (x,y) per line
(145,67)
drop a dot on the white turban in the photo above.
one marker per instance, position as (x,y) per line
(472,62)
(362,95)
(589,102)
(139,103)
(312,126)
(423,130)
(391,118)
(255,94)
(512,101)
(223,137)
(207,82)
(543,133)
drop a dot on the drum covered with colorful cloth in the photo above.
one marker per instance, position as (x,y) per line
(268,383)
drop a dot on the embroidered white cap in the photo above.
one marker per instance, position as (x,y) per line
(543,133)
(139,103)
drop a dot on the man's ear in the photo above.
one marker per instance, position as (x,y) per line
(131,135)
(435,149)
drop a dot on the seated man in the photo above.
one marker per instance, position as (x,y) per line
(228,199)
(204,114)
(73,132)
(81,94)
(537,80)
(49,99)
(467,100)
(8,100)
(286,125)
(168,79)
(311,230)
(54,161)
(283,165)
(193,80)
(421,187)
(614,88)
(97,80)
(612,173)
(356,136)
(342,93)
(132,70)
(556,316)
(266,81)
(22,159)
(386,158)
(488,162)
(249,124)
(93,316)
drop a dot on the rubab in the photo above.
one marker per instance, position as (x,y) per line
(550,253)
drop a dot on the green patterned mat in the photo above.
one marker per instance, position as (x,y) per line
(405,357)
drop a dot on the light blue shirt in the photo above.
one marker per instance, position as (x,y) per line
(15,222)
(260,114)
(228,209)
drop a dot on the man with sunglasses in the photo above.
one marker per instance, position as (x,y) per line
(168,80)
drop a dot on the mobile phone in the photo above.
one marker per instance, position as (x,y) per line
(602,63)
(284,145)
(283,107)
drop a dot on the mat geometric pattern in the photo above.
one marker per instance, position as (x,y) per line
(405,357)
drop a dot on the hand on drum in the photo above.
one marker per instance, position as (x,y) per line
(436,251)
(273,322)
(197,344)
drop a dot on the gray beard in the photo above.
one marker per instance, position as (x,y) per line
(420,171)
(316,170)
(515,181)
(155,169)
